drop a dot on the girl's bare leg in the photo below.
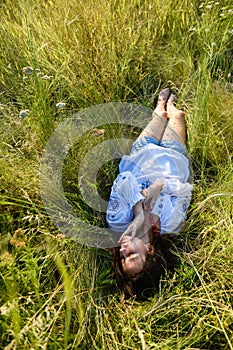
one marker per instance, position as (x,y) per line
(157,125)
(175,129)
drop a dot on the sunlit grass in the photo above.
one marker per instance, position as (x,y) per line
(56,294)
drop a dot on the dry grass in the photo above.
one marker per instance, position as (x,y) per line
(56,294)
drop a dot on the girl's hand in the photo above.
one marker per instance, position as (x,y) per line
(135,227)
(151,194)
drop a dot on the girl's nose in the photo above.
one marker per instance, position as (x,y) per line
(123,251)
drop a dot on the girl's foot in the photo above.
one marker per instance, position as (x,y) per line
(162,101)
(175,130)
(172,111)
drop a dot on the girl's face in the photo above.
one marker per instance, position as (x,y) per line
(133,252)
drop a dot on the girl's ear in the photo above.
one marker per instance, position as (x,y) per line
(150,249)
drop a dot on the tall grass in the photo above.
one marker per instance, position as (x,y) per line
(56,294)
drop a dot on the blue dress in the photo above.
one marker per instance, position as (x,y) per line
(144,166)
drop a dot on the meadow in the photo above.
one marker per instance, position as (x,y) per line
(54,292)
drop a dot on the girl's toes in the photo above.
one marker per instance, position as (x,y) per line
(172,99)
(163,97)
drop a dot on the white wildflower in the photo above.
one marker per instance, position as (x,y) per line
(230,31)
(60,104)
(216,3)
(28,70)
(23,113)
(7,308)
(209,6)
(230,11)
(207,30)
(202,4)
(38,72)
(229,75)
(46,77)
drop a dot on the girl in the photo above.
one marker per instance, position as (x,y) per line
(150,198)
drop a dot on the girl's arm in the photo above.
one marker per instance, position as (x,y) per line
(124,203)
(135,227)
(151,194)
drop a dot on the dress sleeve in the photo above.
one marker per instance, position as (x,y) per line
(180,196)
(175,187)
(178,215)
(124,195)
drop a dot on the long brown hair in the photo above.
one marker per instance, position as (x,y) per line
(144,284)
